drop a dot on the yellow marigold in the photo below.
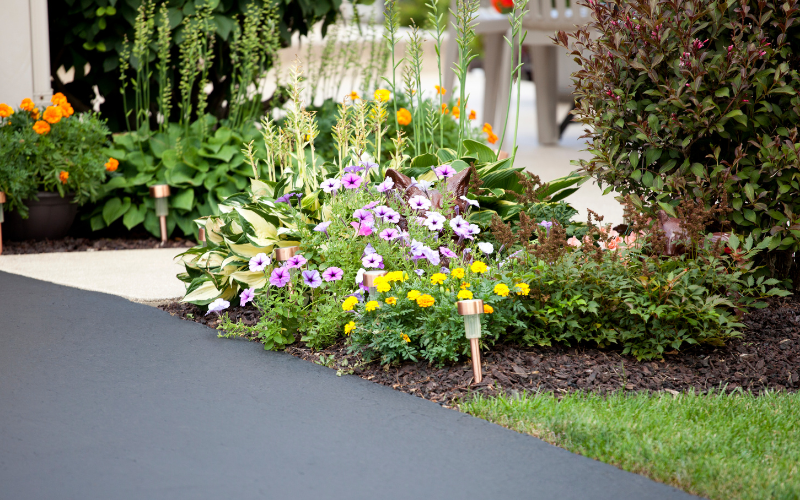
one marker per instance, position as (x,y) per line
(349,303)
(487,309)
(383,286)
(63,176)
(464,295)
(5,110)
(472,115)
(522,288)
(438,278)
(405,337)
(394,276)
(456,112)
(487,129)
(457,273)
(112,164)
(52,114)
(501,289)
(349,327)
(440,90)
(382,95)
(478,267)
(413,294)
(27,104)
(464,286)
(58,98)
(492,138)
(425,300)
(403,116)
(41,127)
(372,305)
(354,95)
(66,109)
(444,109)
(391,301)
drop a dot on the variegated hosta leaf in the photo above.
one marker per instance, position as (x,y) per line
(260,188)
(203,292)
(213,233)
(252,279)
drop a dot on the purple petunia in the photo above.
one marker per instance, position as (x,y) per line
(279,277)
(322,227)
(435,221)
(382,211)
(386,185)
(351,181)
(445,171)
(458,223)
(246,296)
(419,272)
(311,278)
(372,260)
(368,165)
(547,225)
(447,252)
(364,229)
(363,215)
(285,198)
(330,185)
(419,202)
(389,234)
(392,218)
(370,205)
(332,274)
(423,185)
(432,256)
(474,229)
(218,306)
(368,250)
(353,168)
(259,262)
(296,262)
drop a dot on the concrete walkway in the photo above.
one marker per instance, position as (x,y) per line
(103,398)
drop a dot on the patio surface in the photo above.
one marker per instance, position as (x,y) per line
(105,398)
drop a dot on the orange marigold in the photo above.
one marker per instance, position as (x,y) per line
(41,127)
(403,116)
(487,129)
(487,309)
(5,110)
(440,90)
(58,98)
(456,112)
(52,114)
(63,176)
(112,164)
(472,115)
(444,109)
(492,138)
(66,109)
(35,113)
(27,104)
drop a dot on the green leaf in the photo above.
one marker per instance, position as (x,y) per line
(115,208)
(183,200)
(482,152)
(134,216)
(723,92)
(735,112)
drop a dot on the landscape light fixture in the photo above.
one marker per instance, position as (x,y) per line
(201,236)
(2,202)
(285,253)
(161,192)
(472,310)
(369,282)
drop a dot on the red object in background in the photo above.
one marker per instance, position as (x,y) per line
(503,6)
(728,250)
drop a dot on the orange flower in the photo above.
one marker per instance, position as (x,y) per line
(66,109)
(52,114)
(63,176)
(27,105)
(456,112)
(403,116)
(492,138)
(112,165)
(35,113)
(444,109)
(472,115)
(41,127)
(58,98)
(5,110)
(487,309)
(440,90)
(487,128)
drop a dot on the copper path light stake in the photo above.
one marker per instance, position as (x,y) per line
(161,192)
(285,253)
(201,236)
(369,282)
(471,310)
(2,201)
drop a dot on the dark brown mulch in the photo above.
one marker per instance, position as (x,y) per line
(767,357)
(71,244)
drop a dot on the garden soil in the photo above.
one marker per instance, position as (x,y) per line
(70,244)
(767,357)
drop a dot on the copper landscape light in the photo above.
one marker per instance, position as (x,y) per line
(161,192)
(285,253)
(201,236)
(471,310)
(2,202)
(369,282)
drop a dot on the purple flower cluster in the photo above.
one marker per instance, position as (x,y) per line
(463,229)
(287,198)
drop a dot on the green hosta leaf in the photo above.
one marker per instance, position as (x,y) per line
(184,200)
(426,160)
(115,208)
(134,216)
(482,152)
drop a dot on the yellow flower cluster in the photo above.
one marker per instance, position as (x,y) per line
(349,327)
(501,289)
(438,278)
(464,295)
(425,300)
(391,301)
(372,305)
(349,303)
(413,294)
(478,267)
(487,309)
(457,273)
(464,286)
(522,288)
(382,284)
(382,95)
(405,337)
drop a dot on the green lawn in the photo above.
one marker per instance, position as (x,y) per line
(718,446)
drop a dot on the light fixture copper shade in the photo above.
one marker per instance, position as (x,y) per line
(201,234)
(159,191)
(2,197)
(369,277)
(469,307)
(285,253)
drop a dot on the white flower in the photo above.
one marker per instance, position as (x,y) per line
(458,222)
(419,202)
(474,203)
(360,275)
(330,185)
(423,185)
(217,306)
(486,247)
(259,262)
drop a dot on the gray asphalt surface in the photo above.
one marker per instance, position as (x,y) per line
(101,398)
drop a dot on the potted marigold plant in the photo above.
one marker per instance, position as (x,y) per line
(50,162)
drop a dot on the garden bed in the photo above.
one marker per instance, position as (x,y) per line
(767,357)
(71,244)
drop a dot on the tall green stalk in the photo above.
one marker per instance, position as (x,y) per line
(436,21)
(465,15)
(517,33)
(164,84)
(391,26)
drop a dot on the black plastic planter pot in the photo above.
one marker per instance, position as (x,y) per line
(49,218)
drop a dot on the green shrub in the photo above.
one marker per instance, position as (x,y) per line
(696,98)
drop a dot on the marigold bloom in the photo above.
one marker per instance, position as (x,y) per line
(487,309)
(382,95)
(413,294)
(52,114)
(349,327)
(501,289)
(41,127)
(492,138)
(438,278)
(440,90)
(63,176)
(472,115)
(403,116)
(425,300)
(372,305)
(487,129)
(58,98)
(522,288)
(382,284)
(5,110)
(391,301)
(354,95)
(458,273)
(464,286)
(27,104)
(478,267)
(456,112)
(395,276)
(444,109)
(405,337)
(464,295)
(112,164)
(66,109)
(349,303)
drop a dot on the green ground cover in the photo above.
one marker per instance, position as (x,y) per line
(736,446)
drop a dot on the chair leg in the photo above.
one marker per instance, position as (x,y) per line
(492,65)
(545,77)
(450,54)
